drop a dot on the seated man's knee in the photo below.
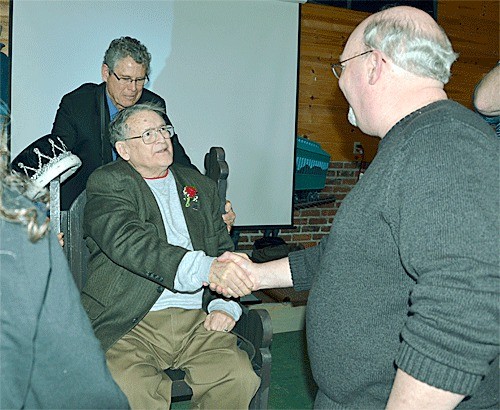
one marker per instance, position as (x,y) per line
(244,375)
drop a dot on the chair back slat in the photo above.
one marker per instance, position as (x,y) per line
(216,168)
(75,247)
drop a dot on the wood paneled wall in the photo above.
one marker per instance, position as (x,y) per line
(472,27)
(322,108)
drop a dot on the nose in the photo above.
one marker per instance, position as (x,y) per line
(166,137)
(341,82)
(132,85)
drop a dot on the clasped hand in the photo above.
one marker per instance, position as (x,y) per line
(230,275)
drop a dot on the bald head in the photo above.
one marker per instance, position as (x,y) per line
(398,60)
(412,40)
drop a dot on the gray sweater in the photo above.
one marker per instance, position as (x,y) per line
(408,276)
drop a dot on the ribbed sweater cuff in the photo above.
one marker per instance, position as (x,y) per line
(434,373)
(301,281)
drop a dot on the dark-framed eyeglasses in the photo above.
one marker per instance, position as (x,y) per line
(338,68)
(151,136)
(139,82)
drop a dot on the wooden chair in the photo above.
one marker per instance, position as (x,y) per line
(254,325)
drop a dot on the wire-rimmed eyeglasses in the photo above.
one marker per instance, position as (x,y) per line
(338,68)
(139,82)
(151,136)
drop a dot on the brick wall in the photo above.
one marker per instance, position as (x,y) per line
(311,224)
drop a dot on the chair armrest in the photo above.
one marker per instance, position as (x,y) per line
(255,326)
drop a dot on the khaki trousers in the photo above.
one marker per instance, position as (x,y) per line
(218,372)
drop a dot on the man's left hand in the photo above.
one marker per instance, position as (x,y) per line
(219,321)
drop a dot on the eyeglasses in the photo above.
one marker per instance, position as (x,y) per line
(139,82)
(338,68)
(151,136)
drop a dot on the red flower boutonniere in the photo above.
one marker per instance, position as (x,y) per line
(190,195)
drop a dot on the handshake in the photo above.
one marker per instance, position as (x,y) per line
(233,275)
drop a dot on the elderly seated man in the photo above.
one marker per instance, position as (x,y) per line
(154,229)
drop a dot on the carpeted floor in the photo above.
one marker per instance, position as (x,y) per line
(292,386)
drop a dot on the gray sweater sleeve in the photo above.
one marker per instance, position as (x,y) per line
(304,265)
(444,216)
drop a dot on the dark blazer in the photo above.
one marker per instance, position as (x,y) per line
(131,261)
(82,122)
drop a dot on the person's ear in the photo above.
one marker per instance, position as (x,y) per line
(122,150)
(375,66)
(105,72)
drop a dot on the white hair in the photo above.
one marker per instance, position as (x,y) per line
(423,51)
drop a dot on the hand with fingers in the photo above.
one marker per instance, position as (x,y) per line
(230,279)
(60,238)
(243,262)
(268,275)
(229,217)
(219,321)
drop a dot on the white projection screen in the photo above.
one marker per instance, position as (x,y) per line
(227,69)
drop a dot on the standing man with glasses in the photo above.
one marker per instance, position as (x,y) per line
(84,114)
(403,306)
(154,230)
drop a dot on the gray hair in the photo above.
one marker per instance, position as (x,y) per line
(423,51)
(124,47)
(118,129)
(15,210)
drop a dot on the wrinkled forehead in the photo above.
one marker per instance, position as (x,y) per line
(143,120)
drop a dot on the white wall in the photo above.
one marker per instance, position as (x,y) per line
(227,69)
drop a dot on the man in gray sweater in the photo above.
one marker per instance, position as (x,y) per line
(403,308)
